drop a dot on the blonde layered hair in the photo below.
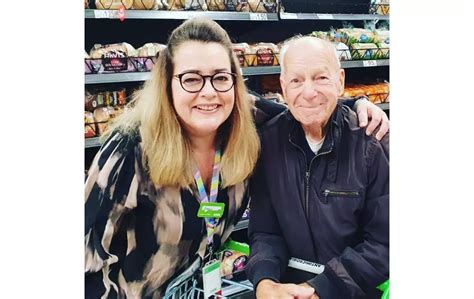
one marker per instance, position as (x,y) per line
(166,147)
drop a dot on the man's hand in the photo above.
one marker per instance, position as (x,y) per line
(368,110)
(306,285)
(269,289)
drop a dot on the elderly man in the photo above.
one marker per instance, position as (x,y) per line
(321,190)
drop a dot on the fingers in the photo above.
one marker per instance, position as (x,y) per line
(362,115)
(383,128)
(374,122)
(299,291)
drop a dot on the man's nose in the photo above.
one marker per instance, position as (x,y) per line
(309,90)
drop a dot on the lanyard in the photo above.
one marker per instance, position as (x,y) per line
(210,222)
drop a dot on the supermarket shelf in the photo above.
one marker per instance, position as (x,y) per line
(262,70)
(116,77)
(92,142)
(180,15)
(241,225)
(325,16)
(248,71)
(364,63)
(384,106)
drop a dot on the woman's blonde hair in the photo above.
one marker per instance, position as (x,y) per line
(166,147)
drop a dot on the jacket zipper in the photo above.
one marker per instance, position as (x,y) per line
(307,177)
(340,193)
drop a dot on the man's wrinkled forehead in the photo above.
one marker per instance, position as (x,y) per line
(306,48)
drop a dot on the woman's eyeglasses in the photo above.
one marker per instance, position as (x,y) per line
(194,82)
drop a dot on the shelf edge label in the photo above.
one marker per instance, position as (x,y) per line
(369,63)
(258,16)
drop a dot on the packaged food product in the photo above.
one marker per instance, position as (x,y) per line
(102,117)
(147,4)
(89,125)
(86,4)
(195,5)
(263,6)
(343,51)
(113,4)
(267,54)
(119,50)
(363,51)
(150,49)
(244,54)
(217,5)
(351,36)
(232,263)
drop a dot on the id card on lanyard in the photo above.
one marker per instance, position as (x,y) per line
(211,211)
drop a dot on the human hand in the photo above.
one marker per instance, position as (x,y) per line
(306,285)
(269,289)
(367,110)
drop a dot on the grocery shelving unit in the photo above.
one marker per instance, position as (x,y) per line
(247,71)
(283,19)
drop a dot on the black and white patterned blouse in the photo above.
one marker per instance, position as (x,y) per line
(138,237)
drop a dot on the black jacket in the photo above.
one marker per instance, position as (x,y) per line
(331,208)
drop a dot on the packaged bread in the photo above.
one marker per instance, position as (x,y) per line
(263,6)
(102,117)
(89,125)
(343,51)
(383,51)
(147,4)
(150,49)
(267,54)
(244,54)
(176,4)
(363,51)
(87,55)
(119,50)
(113,4)
(86,3)
(381,36)
(195,5)
(320,34)
(351,36)
(216,5)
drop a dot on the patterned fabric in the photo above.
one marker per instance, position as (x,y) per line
(137,237)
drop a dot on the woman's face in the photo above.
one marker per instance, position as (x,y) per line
(204,111)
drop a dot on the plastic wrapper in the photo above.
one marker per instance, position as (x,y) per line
(89,125)
(150,49)
(234,257)
(244,54)
(113,4)
(266,54)
(351,36)
(361,51)
(147,4)
(343,51)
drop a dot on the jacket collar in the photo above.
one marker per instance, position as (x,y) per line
(333,128)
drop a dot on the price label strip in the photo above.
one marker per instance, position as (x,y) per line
(306,265)
(369,63)
(325,16)
(258,16)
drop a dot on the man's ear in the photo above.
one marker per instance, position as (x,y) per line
(283,86)
(342,77)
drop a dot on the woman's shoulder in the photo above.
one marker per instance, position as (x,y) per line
(118,143)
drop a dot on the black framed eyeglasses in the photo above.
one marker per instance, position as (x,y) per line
(194,82)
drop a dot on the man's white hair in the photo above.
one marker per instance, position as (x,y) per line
(290,41)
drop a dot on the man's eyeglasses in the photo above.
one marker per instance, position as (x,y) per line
(194,82)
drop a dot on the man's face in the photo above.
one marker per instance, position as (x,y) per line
(311,82)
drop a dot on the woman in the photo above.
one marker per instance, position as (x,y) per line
(190,138)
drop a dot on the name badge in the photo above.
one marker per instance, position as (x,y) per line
(211,209)
(211,278)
